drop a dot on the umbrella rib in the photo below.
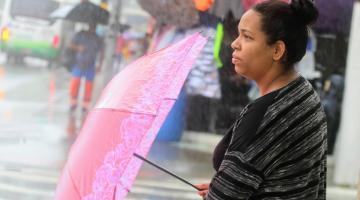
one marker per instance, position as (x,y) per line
(72,181)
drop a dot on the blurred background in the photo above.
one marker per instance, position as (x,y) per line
(38,125)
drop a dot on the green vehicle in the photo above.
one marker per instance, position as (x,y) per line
(26,30)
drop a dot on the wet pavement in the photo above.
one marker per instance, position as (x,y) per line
(33,144)
(36,132)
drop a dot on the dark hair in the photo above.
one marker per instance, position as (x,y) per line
(288,23)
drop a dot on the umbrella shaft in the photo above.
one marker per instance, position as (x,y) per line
(166,171)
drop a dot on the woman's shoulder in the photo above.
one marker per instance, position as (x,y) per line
(295,100)
(298,91)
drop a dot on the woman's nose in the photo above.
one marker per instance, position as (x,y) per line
(235,44)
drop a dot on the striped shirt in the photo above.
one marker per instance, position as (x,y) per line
(285,158)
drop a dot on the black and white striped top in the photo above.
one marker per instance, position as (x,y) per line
(285,158)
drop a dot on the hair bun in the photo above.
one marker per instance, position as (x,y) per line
(305,11)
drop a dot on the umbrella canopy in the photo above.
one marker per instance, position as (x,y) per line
(85,12)
(181,13)
(61,12)
(124,121)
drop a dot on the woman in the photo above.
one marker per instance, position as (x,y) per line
(276,149)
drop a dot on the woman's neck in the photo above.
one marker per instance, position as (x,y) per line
(276,81)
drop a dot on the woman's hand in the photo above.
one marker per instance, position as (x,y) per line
(204,188)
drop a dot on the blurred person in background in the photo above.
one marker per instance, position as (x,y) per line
(276,149)
(88,46)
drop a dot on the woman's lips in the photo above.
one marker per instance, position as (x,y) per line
(235,60)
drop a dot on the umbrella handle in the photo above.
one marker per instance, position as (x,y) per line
(166,171)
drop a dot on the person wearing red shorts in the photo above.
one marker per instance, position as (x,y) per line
(88,46)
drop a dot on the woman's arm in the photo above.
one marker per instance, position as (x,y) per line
(236,179)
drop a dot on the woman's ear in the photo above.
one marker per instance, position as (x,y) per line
(279,50)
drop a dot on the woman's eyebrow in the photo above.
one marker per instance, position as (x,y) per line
(244,31)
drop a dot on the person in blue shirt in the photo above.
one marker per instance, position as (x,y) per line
(89,49)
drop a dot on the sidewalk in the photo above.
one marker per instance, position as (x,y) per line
(206,142)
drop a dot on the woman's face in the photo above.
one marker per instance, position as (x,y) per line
(252,56)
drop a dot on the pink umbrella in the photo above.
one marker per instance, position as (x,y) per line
(125,121)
